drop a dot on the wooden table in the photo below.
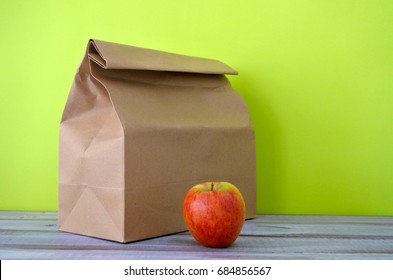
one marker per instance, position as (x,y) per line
(34,235)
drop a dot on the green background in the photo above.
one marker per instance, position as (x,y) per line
(316,76)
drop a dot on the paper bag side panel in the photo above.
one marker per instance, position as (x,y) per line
(91,161)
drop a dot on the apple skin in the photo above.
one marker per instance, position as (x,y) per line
(214,213)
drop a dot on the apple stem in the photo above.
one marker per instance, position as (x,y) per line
(211,186)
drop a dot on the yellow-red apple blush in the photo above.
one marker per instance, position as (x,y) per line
(214,213)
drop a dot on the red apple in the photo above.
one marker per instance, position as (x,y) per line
(214,213)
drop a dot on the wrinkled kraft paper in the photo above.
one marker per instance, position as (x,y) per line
(140,127)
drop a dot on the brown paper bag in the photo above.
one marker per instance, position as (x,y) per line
(140,127)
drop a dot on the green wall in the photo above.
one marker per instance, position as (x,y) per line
(317,77)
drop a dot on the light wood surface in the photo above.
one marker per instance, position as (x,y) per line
(34,235)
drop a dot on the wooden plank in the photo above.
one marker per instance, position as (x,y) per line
(28,215)
(267,248)
(34,235)
(323,219)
